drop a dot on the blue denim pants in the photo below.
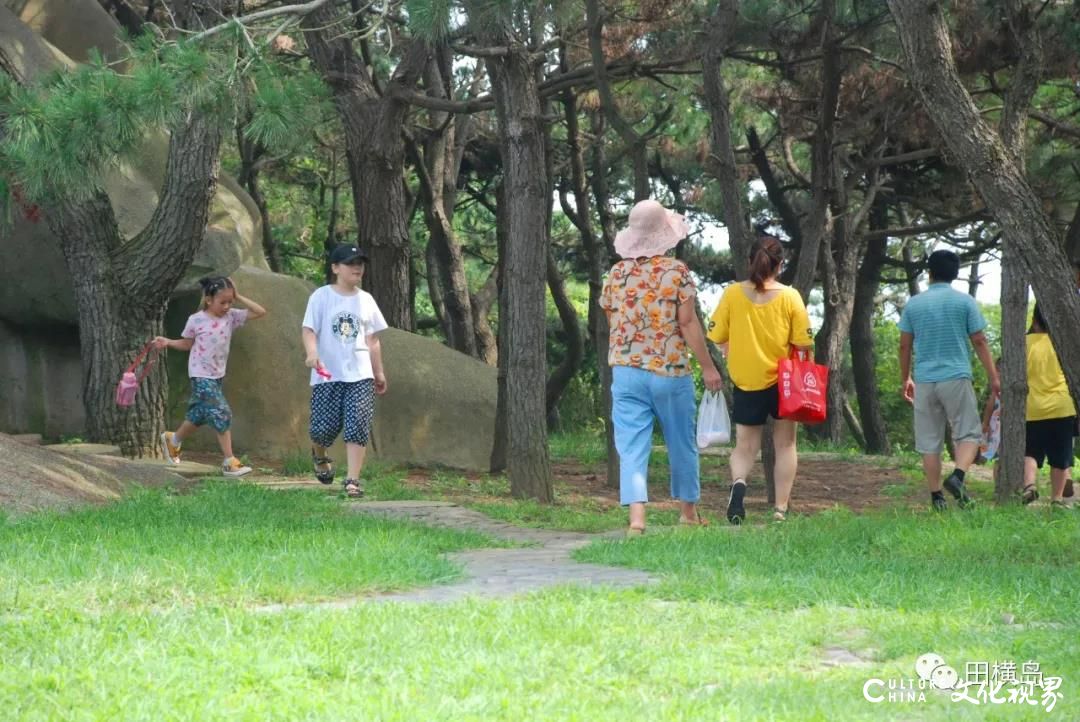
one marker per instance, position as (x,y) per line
(639,397)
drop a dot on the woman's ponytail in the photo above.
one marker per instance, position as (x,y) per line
(766,255)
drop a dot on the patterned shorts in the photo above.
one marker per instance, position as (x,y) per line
(342,404)
(207,405)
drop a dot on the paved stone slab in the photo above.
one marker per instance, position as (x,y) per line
(492,573)
(840,657)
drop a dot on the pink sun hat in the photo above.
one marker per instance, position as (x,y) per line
(652,231)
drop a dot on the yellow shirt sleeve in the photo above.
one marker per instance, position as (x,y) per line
(720,322)
(800,321)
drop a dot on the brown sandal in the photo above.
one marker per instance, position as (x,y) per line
(1029,494)
(699,521)
(353,489)
(634,531)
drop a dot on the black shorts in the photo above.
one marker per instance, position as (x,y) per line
(1052,440)
(753,408)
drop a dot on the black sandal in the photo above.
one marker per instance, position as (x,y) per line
(1029,494)
(325,475)
(353,489)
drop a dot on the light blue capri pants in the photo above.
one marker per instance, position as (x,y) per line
(638,398)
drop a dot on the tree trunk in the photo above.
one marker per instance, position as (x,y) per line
(823,174)
(909,269)
(852,421)
(598,261)
(575,348)
(122,287)
(1072,237)
(375,152)
(251,154)
(527,195)
(605,252)
(487,345)
(978,149)
(500,451)
(840,258)
(435,292)
(973,280)
(1014,389)
(830,344)
(636,144)
(718,41)
(438,170)
(111,334)
(863,353)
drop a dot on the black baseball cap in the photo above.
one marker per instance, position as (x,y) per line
(347,253)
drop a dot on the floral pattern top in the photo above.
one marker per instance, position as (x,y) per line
(642,299)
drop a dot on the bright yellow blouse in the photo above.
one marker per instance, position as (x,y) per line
(758,335)
(1048,394)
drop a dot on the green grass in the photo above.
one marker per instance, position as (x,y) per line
(979,564)
(298,463)
(226,544)
(586,517)
(145,610)
(586,448)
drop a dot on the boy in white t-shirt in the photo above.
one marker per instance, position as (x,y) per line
(340,330)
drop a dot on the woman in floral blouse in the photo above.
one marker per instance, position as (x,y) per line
(650,302)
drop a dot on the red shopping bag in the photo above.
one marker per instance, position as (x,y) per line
(803,388)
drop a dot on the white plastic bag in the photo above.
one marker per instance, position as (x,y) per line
(713,423)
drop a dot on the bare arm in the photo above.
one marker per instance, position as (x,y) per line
(254,310)
(907,386)
(179,344)
(311,349)
(982,350)
(375,350)
(695,339)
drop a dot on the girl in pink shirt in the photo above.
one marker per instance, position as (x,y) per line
(208,335)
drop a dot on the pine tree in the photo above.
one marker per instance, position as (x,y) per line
(63,132)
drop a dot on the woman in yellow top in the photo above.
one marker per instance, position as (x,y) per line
(760,320)
(1051,415)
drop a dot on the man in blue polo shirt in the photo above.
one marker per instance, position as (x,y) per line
(937,324)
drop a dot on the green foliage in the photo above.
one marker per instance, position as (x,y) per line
(429,19)
(283,105)
(62,133)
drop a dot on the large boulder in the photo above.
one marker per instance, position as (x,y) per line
(440,406)
(40,381)
(35,285)
(75,27)
(33,478)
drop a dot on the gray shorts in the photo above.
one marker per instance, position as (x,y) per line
(945,401)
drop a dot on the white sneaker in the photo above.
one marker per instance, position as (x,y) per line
(233,467)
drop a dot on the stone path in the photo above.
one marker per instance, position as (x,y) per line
(493,573)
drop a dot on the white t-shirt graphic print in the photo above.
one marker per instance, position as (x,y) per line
(342,325)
